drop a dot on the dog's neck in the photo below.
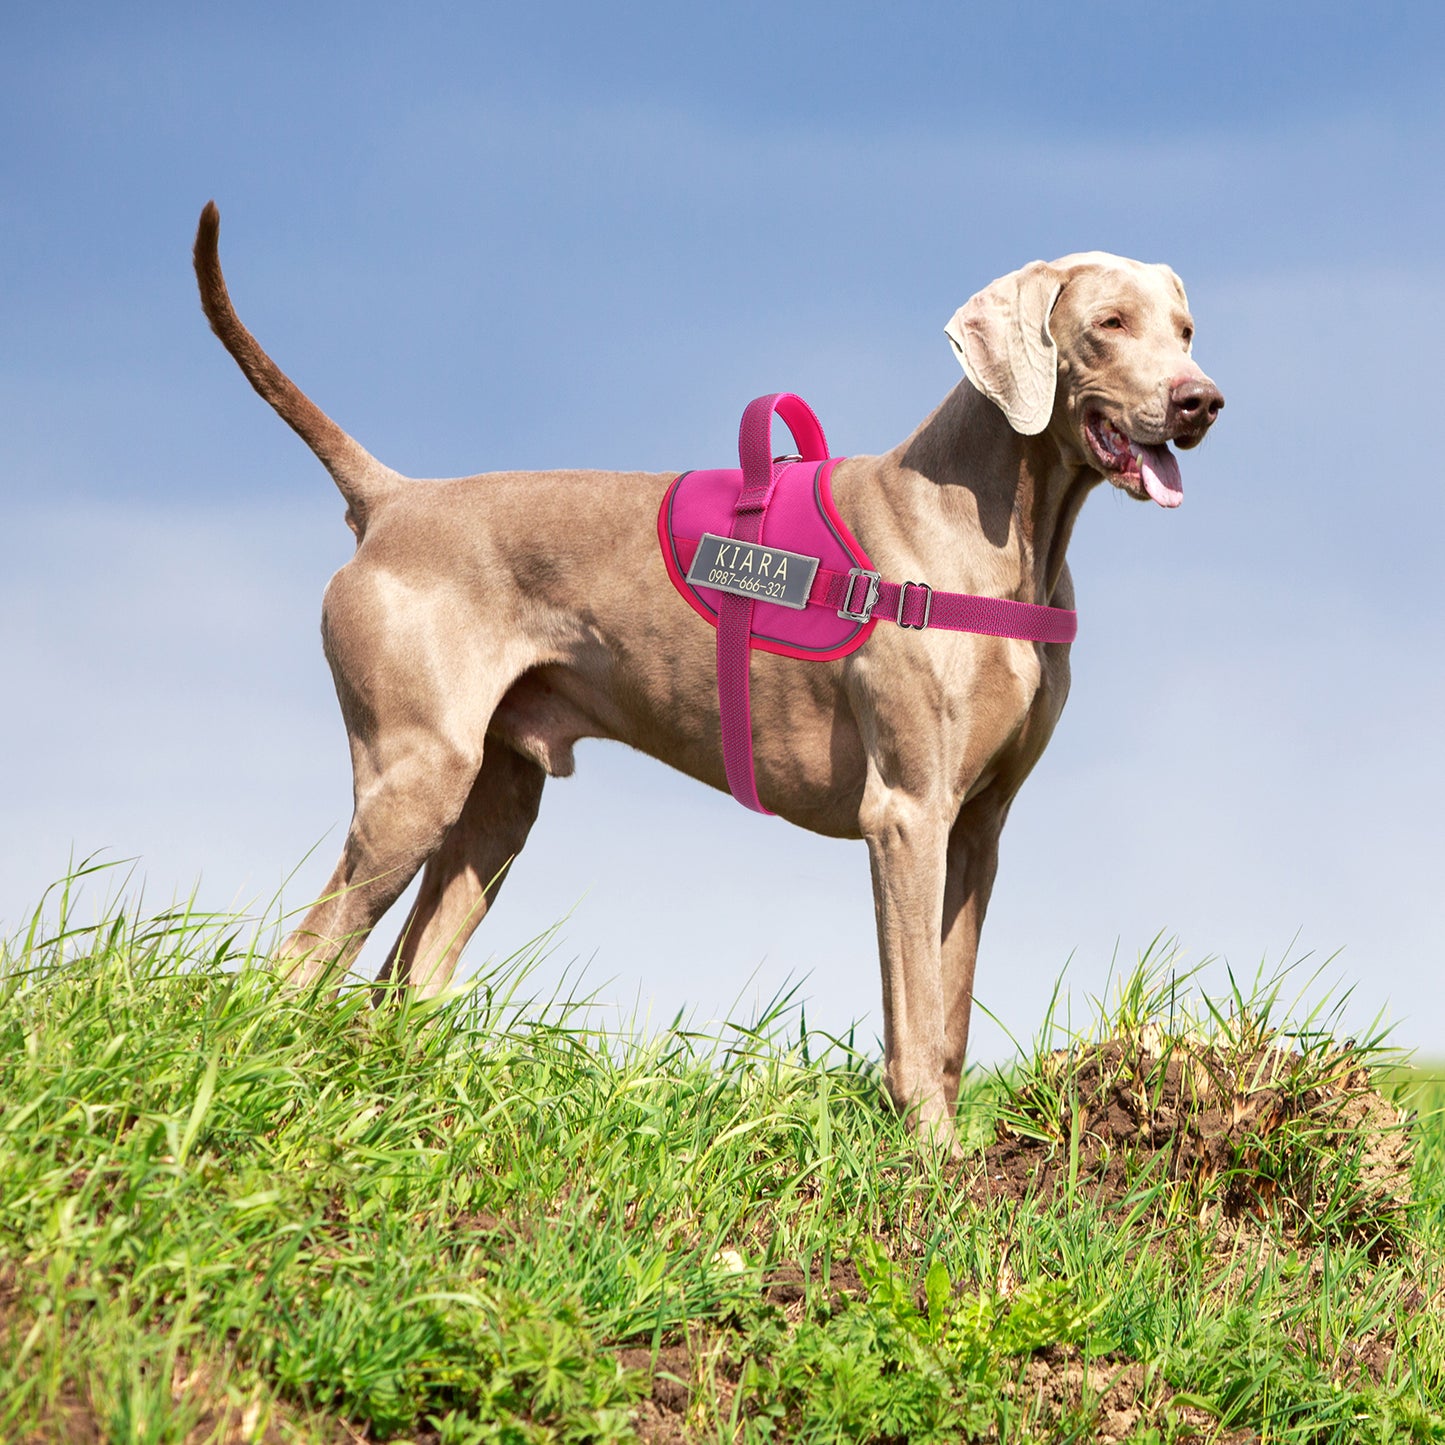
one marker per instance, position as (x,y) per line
(1021,492)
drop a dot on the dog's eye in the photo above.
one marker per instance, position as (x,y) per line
(1188,334)
(1113,323)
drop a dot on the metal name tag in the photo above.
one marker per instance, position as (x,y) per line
(751,570)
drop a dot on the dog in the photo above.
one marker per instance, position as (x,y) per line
(487,623)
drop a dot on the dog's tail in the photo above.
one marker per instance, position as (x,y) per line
(362,479)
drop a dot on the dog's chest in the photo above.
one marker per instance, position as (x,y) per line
(1019,705)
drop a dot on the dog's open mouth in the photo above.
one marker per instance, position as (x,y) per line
(1141,468)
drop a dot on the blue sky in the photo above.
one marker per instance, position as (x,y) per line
(496,236)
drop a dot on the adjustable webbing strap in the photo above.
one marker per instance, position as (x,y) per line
(915,605)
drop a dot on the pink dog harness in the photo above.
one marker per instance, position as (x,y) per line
(762,554)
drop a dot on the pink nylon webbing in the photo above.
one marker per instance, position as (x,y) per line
(735,614)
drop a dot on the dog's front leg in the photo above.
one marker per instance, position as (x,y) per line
(907,838)
(972,865)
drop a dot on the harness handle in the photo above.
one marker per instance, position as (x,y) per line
(755,447)
(735,614)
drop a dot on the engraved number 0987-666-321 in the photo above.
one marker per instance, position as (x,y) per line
(723,577)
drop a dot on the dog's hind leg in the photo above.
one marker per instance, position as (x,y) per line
(417,691)
(462,877)
(408,795)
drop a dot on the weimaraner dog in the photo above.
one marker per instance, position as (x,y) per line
(474,638)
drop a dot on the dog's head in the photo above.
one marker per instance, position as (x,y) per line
(1096,350)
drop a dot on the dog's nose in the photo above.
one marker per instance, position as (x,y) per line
(1195,400)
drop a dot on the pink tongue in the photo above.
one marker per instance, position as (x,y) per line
(1161,474)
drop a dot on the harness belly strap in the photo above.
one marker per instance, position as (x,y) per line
(737,546)
(735,614)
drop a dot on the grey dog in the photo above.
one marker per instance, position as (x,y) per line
(474,638)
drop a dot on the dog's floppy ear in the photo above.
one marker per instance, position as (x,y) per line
(1003,343)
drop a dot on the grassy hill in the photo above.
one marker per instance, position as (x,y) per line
(229,1212)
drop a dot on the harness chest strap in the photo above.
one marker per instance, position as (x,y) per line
(863,595)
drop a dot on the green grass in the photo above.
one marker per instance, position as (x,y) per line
(232,1212)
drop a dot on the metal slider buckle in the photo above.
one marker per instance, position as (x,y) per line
(865,613)
(927,605)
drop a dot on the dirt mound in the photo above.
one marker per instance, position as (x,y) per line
(1248,1126)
